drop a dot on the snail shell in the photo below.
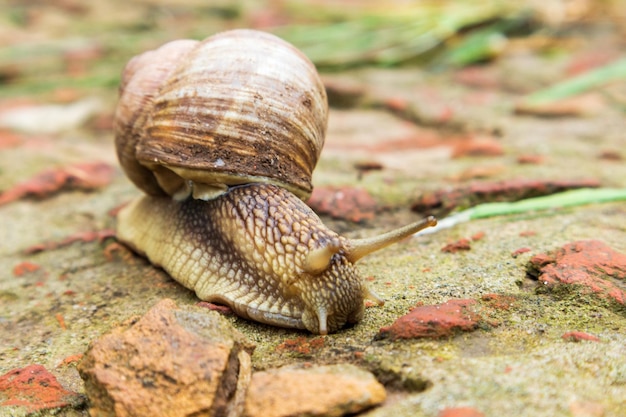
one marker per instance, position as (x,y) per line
(241,106)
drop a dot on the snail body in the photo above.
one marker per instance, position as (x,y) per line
(260,250)
(225,178)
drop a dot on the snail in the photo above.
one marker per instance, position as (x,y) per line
(222,136)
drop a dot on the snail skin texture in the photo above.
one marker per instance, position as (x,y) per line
(260,250)
(222,135)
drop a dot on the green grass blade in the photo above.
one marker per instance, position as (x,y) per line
(565,199)
(581,83)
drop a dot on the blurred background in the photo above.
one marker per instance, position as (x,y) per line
(56,49)
(456,66)
(436,106)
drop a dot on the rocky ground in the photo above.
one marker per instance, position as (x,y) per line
(520,314)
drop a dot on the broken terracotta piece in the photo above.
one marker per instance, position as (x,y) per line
(83,176)
(348,203)
(434,321)
(34,388)
(333,390)
(588,265)
(172,361)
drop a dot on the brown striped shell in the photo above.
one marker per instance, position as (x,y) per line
(242,106)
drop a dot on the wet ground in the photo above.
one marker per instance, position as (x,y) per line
(515,327)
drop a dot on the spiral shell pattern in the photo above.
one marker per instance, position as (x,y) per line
(242,106)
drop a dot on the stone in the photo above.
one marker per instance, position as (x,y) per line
(434,321)
(590,265)
(333,390)
(170,362)
(33,388)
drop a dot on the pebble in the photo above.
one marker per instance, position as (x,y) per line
(329,391)
(170,362)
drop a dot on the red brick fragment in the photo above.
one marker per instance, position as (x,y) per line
(397,104)
(579,336)
(34,388)
(459,245)
(61,320)
(82,176)
(499,301)
(588,60)
(588,264)
(529,159)
(9,139)
(85,237)
(301,345)
(527,233)
(518,252)
(477,147)
(460,412)
(25,267)
(434,321)
(349,203)
(72,359)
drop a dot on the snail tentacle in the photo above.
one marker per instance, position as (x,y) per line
(358,248)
